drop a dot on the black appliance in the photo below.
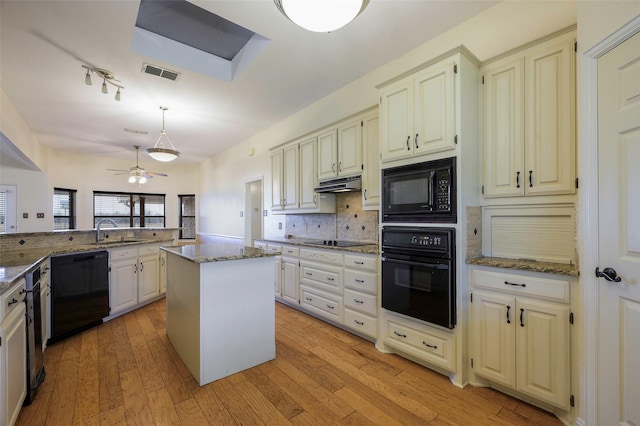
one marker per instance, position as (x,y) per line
(35,356)
(421,192)
(79,292)
(418,273)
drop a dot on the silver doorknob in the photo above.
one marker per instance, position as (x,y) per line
(608,274)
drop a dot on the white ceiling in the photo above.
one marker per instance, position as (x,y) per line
(43,44)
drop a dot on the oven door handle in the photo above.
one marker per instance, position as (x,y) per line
(413,263)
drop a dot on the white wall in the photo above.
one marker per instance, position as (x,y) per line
(31,198)
(503,27)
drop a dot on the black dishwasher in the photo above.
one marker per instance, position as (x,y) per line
(79,292)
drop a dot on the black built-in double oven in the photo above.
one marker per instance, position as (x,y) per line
(418,259)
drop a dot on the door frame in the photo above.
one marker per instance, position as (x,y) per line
(588,213)
(249,206)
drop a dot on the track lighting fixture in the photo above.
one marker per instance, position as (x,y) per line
(107,77)
(163,150)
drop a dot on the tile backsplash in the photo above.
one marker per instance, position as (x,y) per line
(349,223)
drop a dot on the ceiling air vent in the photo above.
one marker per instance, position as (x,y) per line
(160,72)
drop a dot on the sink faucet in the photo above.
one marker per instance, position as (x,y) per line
(106,219)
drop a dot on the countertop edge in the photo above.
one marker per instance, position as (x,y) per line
(199,259)
(526,265)
(368,248)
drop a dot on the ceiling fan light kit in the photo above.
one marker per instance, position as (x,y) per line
(321,16)
(106,76)
(163,150)
(137,174)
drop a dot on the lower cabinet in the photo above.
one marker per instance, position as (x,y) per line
(361,293)
(289,281)
(134,276)
(163,272)
(521,338)
(13,355)
(322,303)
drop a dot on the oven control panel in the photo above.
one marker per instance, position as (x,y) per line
(427,239)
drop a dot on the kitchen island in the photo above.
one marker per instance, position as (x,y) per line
(220,308)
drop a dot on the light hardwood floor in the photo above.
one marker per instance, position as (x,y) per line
(125,372)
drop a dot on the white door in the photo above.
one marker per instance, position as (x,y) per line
(619,235)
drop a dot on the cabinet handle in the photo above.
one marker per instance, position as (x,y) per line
(13,302)
(515,284)
(309,274)
(330,307)
(339,167)
(359,281)
(408,146)
(141,266)
(23,291)
(416,140)
(429,346)
(358,301)
(358,322)
(308,299)
(333,167)
(315,198)
(357,262)
(521,317)
(365,194)
(530,178)
(135,268)
(517,179)
(404,336)
(330,279)
(508,316)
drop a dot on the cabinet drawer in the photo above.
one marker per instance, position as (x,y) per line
(325,256)
(123,253)
(365,303)
(13,298)
(273,248)
(427,344)
(368,263)
(361,281)
(290,251)
(360,322)
(542,288)
(326,277)
(321,303)
(146,249)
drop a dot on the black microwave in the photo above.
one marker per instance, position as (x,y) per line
(420,192)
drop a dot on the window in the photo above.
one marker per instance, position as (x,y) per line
(3,210)
(129,209)
(64,208)
(187,221)
(8,208)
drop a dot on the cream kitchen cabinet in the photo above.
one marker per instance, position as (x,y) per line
(294,178)
(371,163)
(340,150)
(163,272)
(361,293)
(417,113)
(134,276)
(321,283)
(520,334)
(288,276)
(529,121)
(13,353)
(45,302)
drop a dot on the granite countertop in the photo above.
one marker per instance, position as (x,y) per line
(16,263)
(217,252)
(526,265)
(367,248)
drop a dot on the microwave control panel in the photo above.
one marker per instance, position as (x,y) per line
(443,193)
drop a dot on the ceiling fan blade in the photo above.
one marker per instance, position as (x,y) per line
(118,170)
(157,174)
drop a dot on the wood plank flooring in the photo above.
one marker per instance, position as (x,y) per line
(125,372)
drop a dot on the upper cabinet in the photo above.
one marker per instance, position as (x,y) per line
(371,163)
(340,151)
(529,121)
(294,178)
(418,113)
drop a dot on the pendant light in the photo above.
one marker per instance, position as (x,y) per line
(321,16)
(163,150)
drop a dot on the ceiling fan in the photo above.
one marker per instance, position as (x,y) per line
(137,174)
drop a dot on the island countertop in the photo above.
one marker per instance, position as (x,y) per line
(217,252)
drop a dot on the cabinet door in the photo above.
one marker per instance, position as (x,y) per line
(123,291)
(277,167)
(308,173)
(44,321)
(290,177)
(148,277)
(371,169)
(163,272)
(503,132)
(542,344)
(290,283)
(494,319)
(434,109)
(350,149)
(396,124)
(13,365)
(550,121)
(327,155)
(277,276)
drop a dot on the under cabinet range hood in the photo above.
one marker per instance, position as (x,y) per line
(346,184)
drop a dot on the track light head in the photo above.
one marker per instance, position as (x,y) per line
(104,87)
(117,97)
(87,78)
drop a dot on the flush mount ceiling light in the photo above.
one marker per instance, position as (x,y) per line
(163,150)
(321,16)
(106,76)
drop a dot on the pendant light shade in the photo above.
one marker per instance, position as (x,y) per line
(163,150)
(321,16)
